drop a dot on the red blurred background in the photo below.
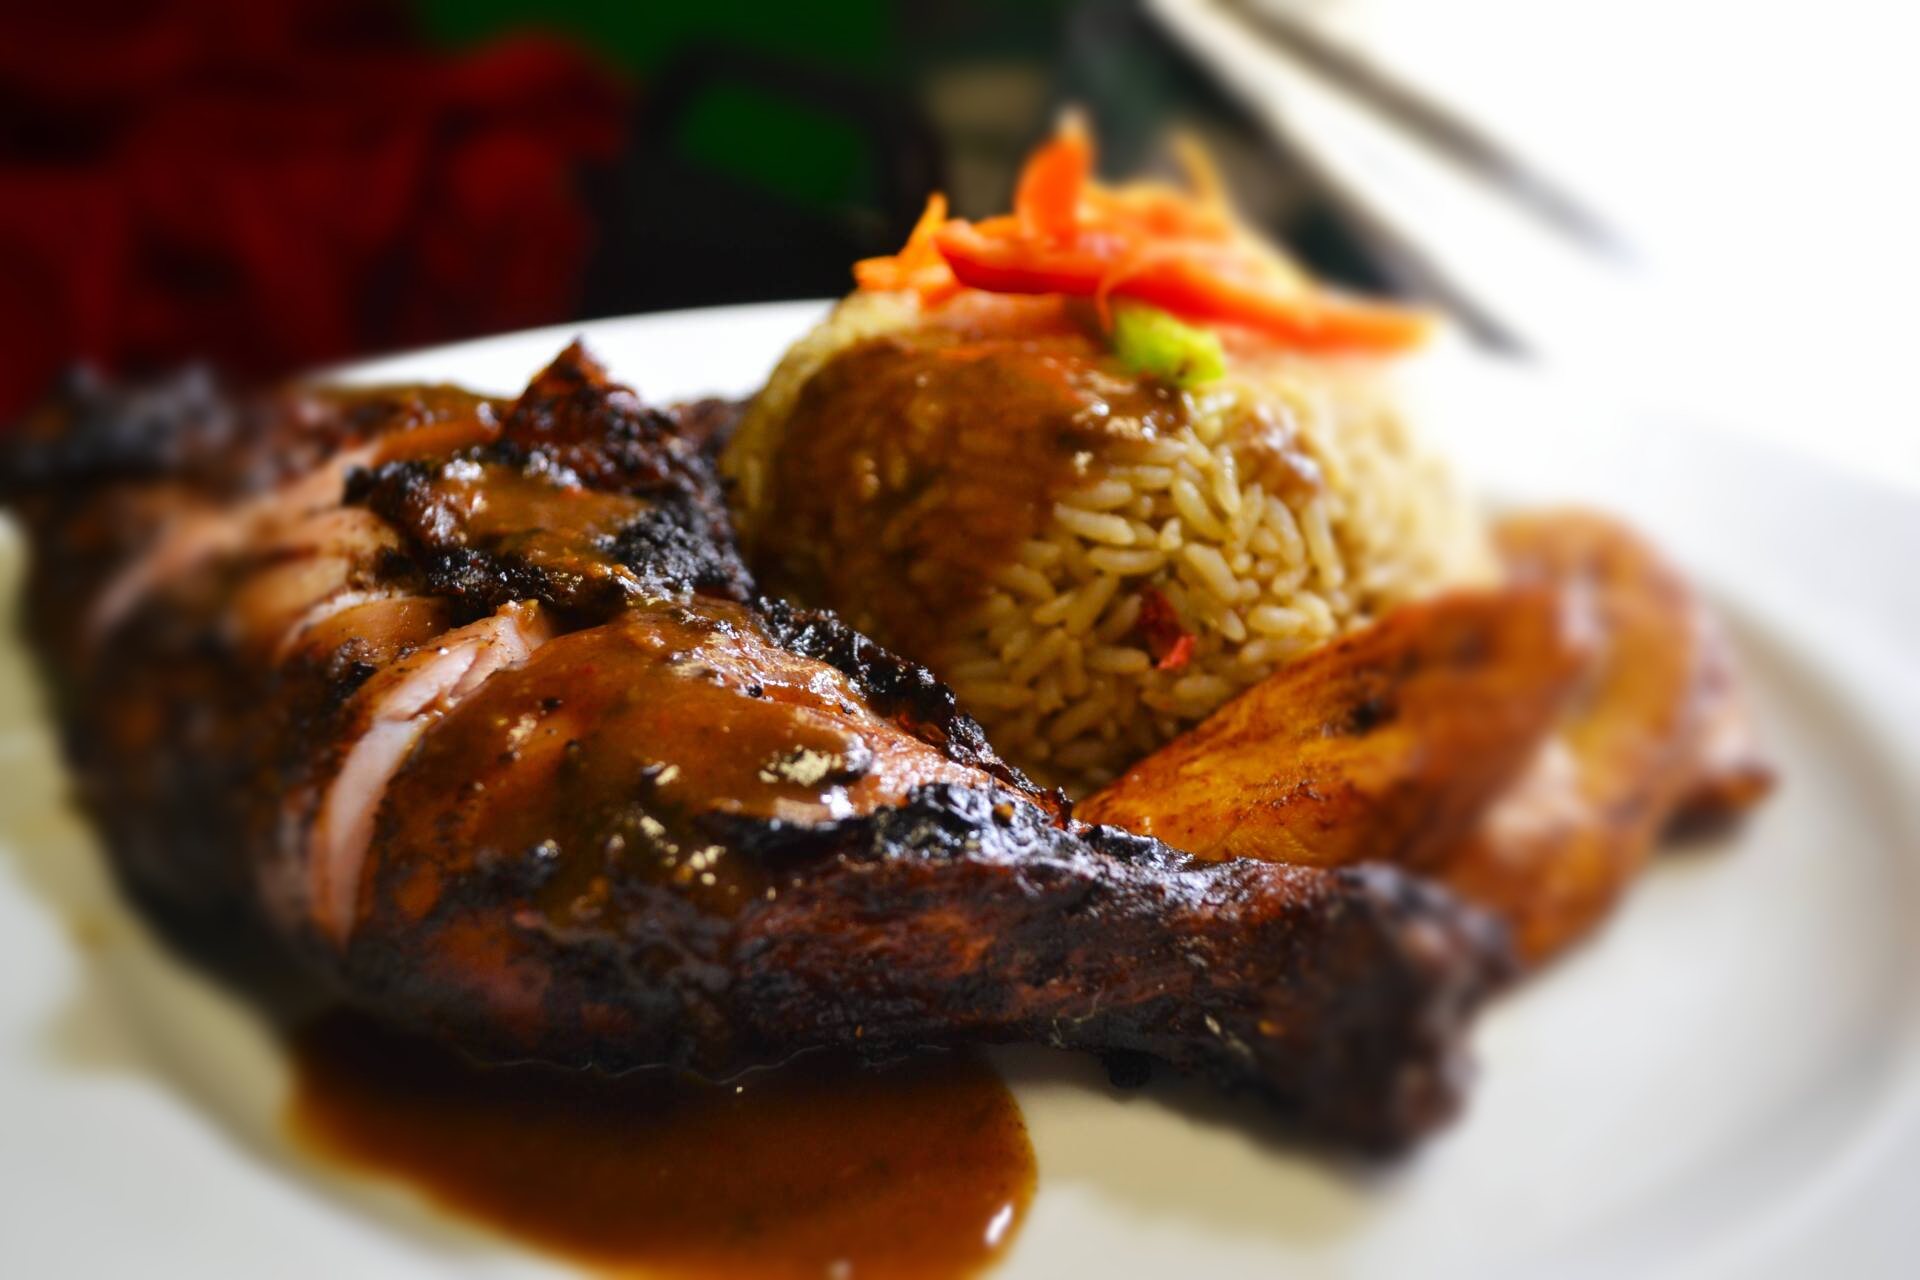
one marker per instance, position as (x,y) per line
(280,185)
(276,187)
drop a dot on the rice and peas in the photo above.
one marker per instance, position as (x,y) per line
(1088,615)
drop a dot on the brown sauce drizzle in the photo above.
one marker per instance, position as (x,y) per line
(913,468)
(613,749)
(821,1168)
(448,425)
(559,526)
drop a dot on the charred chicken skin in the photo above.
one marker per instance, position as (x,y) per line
(476,704)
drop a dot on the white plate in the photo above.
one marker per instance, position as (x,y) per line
(1724,1083)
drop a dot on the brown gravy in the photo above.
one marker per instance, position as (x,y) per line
(822,1168)
(913,468)
(613,749)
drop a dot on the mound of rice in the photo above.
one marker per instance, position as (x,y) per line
(1290,504)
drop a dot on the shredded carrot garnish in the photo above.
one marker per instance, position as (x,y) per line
(1181,251)
(1047,201)
(918,266)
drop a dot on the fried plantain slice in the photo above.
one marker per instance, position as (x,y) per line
(1386,746)
(1554,853)
(1527,747)
(1730,773)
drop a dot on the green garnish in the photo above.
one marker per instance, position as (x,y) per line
(1150,341)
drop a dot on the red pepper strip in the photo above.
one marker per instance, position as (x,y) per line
(1190,282)
(1170,643)
(1313,320)
(1178,656)
(998,264)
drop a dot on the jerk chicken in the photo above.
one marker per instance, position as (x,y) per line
(476,706)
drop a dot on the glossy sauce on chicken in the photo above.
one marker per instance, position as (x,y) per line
(630,752)
(915,466)
(823,1167)
(551,525)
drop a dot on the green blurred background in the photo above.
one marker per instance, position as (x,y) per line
(796,138)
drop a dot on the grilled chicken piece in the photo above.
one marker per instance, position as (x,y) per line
(1729,774)
(489,725)
(130,601)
